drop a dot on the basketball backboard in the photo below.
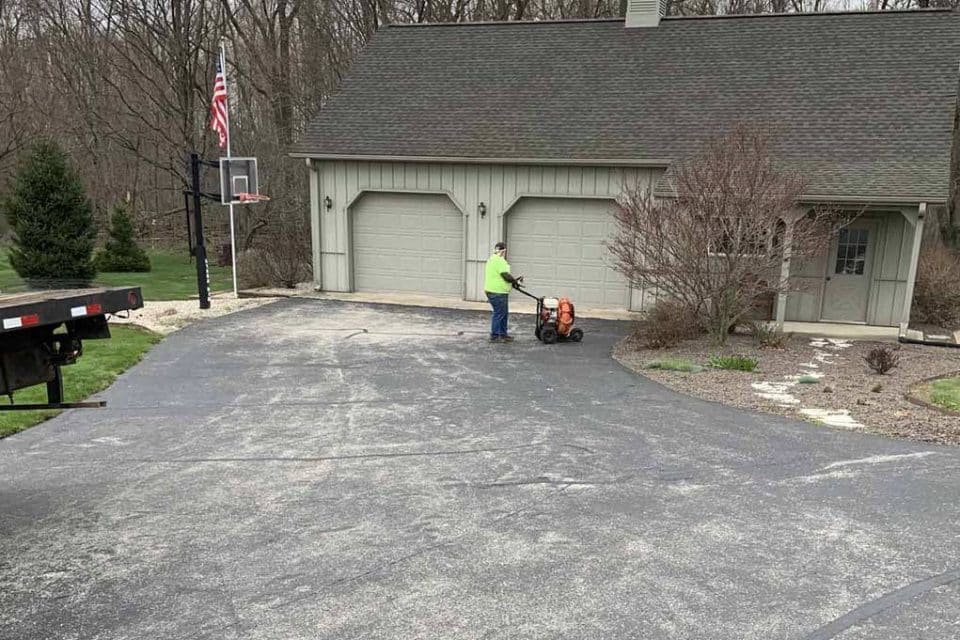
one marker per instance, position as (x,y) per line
(239,182)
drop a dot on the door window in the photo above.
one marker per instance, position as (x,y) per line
(851,252)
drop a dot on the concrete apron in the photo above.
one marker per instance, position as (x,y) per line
(519,303)
(522,304)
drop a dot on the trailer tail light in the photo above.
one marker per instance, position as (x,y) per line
(132,298)
(87,310)
(21,321)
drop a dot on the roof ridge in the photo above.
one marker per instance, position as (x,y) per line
(726,16)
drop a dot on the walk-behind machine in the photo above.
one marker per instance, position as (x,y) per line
(555,318)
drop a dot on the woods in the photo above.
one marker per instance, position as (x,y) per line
(124,85)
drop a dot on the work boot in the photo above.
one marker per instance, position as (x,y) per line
(495,339)
(506,338)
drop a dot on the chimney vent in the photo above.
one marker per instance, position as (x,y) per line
(645,13)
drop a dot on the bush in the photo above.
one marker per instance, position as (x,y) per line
(768,336)
(51,219)
(668,324)
(280,256)
(882,358)
(734,363)
(674,364)
(253,271)
(936,295)
(121,254)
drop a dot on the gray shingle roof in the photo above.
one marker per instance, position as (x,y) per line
(863,102)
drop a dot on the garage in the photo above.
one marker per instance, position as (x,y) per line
(408,243)
(557,244)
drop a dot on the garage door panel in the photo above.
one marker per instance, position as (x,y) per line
(558,244)
(408,243)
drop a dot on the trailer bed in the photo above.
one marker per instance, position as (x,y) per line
(56,306)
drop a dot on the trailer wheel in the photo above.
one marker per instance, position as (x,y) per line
(576,335)
(548,334)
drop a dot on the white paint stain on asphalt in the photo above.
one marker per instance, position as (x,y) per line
(879,459)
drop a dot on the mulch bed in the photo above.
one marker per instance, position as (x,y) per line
(848,378)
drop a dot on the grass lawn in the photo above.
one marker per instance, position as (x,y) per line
(946,393)
(173,277)
(102,361)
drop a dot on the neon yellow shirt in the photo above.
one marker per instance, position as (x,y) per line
(494,282)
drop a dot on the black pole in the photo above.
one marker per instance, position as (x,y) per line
(203,284)
(186,209)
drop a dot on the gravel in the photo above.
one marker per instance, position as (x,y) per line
(168,316)
(847,382)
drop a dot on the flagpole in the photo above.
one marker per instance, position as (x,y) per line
(233,239)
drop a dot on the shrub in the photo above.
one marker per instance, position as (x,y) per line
(253,271)
(52,220)
(768,336)
(668,324)
(121,254)
(674,364)
(936,295)
(734,363)
(280,254)
(882,358)
(717,246)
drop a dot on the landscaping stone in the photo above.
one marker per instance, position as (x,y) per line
(844,379)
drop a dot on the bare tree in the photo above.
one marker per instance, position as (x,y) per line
(718,246)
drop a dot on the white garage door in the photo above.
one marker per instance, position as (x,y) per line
(557,245)
(408,243)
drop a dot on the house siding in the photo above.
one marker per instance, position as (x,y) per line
(499,187)
(888,283)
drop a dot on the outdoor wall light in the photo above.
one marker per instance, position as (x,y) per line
(482,210)
(327,202)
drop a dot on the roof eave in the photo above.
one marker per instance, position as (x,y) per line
(813,198)
(660,163)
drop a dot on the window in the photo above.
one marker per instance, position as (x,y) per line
(851,252)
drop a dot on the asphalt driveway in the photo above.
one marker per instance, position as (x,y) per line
(324,470)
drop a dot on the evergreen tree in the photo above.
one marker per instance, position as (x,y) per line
(121,253)
(52,220)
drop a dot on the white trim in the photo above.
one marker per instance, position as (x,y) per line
(573,162)
(912,272)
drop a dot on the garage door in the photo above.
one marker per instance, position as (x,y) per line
(408,243)
(557,244)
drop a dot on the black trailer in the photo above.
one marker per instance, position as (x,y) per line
(41,331)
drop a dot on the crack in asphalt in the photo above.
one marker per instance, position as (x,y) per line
(872,608)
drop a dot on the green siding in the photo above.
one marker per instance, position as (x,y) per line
(498,186)
(888,284)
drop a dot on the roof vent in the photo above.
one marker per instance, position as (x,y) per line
(645,13)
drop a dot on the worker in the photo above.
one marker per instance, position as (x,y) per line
(497,285)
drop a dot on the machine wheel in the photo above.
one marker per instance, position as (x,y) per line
(548,334)
(576,335)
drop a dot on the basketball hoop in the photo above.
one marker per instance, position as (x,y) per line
(251,197)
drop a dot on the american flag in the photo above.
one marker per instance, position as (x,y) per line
(218,108)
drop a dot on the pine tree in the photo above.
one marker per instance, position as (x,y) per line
(52,220)
(121,253)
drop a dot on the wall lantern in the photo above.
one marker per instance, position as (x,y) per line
(482,210)
(327,202)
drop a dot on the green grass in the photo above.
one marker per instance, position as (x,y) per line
(102,361)
(674,364)
(173,277)
(734,363)
(946,393)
